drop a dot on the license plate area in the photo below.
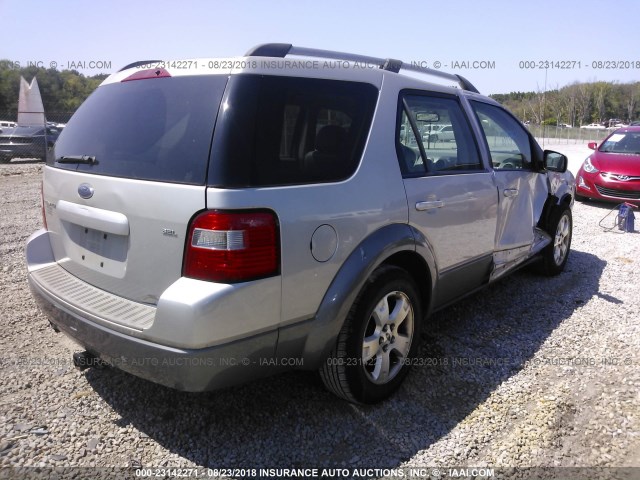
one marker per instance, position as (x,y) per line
(100,251)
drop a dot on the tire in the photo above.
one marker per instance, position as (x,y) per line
(5,159)
(556,254)
(434,138)
(393,294)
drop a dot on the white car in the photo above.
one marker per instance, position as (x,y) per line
(444,134)
(7,124)
(593,126)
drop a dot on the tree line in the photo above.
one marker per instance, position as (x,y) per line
(576,104)
(62,91)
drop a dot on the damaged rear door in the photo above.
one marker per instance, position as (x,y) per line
(522,189)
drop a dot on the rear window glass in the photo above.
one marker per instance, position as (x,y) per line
(283,130)
(155,129)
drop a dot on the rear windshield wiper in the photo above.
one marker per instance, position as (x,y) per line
(91,160)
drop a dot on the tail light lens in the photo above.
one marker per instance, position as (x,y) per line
(232,247)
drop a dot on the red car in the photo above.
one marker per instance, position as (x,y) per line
(612,172)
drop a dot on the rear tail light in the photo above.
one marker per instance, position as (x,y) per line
(232,247)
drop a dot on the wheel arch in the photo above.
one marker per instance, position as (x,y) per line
(417,267)
(398,245)
(552,202)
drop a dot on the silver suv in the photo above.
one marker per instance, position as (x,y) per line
(212,221)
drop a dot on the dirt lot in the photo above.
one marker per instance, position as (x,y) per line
(530,372)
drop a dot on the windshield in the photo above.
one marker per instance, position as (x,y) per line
(626,142)
(156,129)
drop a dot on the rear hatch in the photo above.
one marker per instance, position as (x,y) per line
(126,176)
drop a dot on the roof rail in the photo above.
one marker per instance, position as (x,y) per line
(281,50)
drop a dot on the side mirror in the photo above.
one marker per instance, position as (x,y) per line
(555,162)
(592,145)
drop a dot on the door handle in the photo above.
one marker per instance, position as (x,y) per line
(420,206)
(510,192)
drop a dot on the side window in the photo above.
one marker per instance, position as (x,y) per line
(507,140)
(434,137)
(330,116)
(291,114)
(289,130)
(411,161)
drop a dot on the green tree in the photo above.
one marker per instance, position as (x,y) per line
(62,92)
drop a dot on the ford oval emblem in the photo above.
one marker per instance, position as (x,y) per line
(85,190)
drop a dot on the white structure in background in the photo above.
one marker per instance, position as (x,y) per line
(30,107)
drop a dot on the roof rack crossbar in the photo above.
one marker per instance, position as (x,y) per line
(281,50)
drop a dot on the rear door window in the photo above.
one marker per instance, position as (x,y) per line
(282,130)
(423,148)
(154,129)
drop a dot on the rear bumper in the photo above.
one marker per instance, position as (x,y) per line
(198,369)
(22,151)
(182,369)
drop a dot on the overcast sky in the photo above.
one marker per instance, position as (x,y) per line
(592,40)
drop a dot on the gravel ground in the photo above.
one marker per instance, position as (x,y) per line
(530,372)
